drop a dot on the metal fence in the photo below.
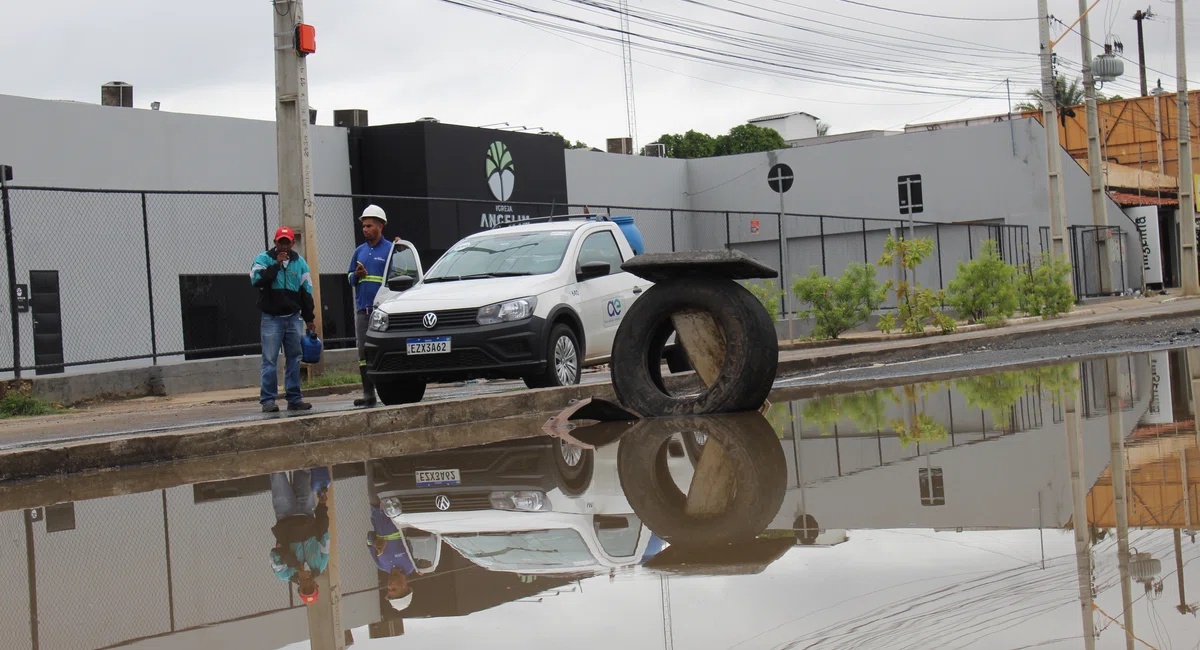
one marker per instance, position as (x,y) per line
(140,276)
(1096,252)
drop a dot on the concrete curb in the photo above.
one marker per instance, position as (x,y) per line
(902,336)
(127,451)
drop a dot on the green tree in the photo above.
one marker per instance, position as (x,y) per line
(1045,292)
(692,144)
(842,305)
(1064,95)
(749,138)
(984,289)
(567,143)
(918,306)
(768,294)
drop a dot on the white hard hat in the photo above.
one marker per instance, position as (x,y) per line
(402,603)
(373,211)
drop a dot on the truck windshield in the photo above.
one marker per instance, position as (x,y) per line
(502,254)
(531,549)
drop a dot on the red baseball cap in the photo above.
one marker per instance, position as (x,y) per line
(285,233)
(309,599)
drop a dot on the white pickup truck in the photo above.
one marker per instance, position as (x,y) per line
(537,301)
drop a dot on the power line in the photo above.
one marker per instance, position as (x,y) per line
(924,15)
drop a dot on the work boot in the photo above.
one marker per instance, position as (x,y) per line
(299,406)
(270,407)
(368,398)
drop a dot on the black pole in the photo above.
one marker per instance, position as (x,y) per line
(866,260)
(821,221)
(31,572)
(149,281)
(728,238)
(266,236)
(167,546)
(1138,16)
(782,280)
(5,177)
(937,235)
(672,230)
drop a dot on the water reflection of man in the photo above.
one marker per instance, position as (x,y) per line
(301,531)
(392,557)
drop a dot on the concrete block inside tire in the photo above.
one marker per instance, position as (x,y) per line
(754,478)
(742,366)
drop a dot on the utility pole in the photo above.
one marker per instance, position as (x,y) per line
(1187,205)
(1095,172)
(1139,16)
(291,131)
(1058,201)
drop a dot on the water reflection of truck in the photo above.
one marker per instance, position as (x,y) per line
(531,506)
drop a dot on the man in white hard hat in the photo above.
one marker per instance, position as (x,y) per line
(366,276)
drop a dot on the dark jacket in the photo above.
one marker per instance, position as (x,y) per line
(283,291)
(301,540)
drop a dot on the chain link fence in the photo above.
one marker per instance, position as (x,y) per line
(127,277)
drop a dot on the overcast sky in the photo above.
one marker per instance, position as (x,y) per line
(406,59)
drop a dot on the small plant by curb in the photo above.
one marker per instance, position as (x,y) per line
(15,405)
(331,379)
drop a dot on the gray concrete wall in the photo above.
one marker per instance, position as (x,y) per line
(595,178)
(172,379)
(96,241)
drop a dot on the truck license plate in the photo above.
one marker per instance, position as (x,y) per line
(432,477)
(432,345)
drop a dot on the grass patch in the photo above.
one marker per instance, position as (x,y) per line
(332,379)
(15,405)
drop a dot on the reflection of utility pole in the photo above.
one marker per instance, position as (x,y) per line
(1083,559)
(664,589)
(1116,447)
(325,616)
(1183,607)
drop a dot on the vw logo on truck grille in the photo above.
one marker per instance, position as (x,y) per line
(442,502)
(429,321)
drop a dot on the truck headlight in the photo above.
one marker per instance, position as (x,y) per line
(379,321)
(523,501)
(504,312)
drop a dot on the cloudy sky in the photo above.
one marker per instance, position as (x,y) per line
(698,64)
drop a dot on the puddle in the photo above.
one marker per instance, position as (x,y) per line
(992,511)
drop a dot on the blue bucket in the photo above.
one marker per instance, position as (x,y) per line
(631,233)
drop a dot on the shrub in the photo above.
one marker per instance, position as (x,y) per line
(842,305)
(918,306)
(1047,291)
(17,405)
(984,289)
(769,295)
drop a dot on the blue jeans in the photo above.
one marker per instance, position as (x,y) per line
(294,497)
(277,332)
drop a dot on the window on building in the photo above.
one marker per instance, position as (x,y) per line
(911,201)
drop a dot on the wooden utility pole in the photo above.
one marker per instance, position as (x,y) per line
(291,131)
(1139,16)
(1058,201)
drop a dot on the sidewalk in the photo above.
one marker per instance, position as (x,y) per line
(795,356)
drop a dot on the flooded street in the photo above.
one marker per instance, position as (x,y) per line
(1047,506)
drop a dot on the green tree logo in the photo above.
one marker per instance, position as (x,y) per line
(500,170)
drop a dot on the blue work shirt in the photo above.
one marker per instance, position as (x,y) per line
(374,258)
(395,554)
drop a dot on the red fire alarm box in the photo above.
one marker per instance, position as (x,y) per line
(306,39)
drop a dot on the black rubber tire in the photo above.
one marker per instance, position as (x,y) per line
(751,352)
(549,377)
(572,480)
(402,391)
(759,466)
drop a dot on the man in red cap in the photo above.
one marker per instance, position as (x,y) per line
(285,297)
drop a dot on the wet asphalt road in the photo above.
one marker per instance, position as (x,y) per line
(1050,346)
(1045,347)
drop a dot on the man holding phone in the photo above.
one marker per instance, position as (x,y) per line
(366,276)
(285,298)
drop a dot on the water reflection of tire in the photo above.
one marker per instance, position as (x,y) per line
(759,470)
(573,467)
(751,349)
